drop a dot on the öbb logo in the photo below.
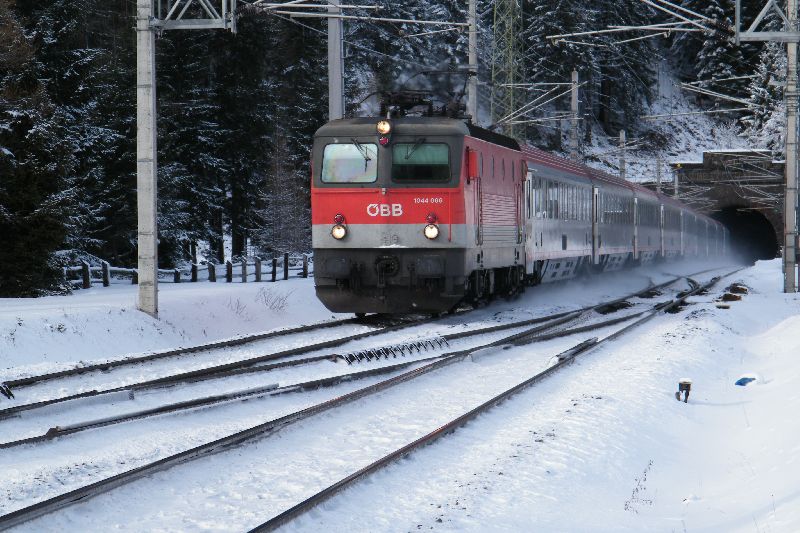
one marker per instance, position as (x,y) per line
(385,210)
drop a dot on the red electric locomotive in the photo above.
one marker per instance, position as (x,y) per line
(403,223)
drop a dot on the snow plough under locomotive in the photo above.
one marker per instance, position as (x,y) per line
(417,214)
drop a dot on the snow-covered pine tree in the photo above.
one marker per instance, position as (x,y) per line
(767,124)
(298,107)
(618,76)
(626,69)
(192,169)
(35,161)
(718,57)
(549,62)
(85,54)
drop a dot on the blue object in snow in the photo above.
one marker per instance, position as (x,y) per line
(744,381)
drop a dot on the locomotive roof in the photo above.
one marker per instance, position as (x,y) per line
(349,127)
(412,126)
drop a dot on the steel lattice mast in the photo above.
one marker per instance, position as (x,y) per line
(507,70)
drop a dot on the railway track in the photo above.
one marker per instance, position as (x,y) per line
(128,392)
(523,337)
(236,367)
(379,323)
(563,359)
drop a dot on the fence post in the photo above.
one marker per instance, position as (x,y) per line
(258,268)
(194,273)
(286,265)
(212,272)
(274,268)
(86,275)
(106,273)
(305,266)
(176,276)
(135,277)
(244,270)
(228,271)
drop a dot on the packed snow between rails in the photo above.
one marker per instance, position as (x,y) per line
(601,446)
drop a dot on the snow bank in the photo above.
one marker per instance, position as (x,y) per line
(103,322)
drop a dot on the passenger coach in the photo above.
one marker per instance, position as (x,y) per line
(416,214)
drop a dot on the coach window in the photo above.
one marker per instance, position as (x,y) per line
(587,205)
(350,163)
(552,204)
(573,203)
(538,199)
(568,194)
(546,208)
(421,162)
(567,202)
(493,167)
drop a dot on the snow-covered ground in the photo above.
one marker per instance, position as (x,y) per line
(601,446)
(102,322)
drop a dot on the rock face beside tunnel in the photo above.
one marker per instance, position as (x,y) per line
(743,190)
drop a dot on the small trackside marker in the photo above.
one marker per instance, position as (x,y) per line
(5,390)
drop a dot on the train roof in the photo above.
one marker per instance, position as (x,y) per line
(444,126)
(576,169)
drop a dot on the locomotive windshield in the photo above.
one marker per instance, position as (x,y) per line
(350,163)
(421,161)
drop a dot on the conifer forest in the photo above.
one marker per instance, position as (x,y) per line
(236,113)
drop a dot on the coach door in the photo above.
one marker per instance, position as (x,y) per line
(661,222)
(596,243)
(529,221)
(478,203)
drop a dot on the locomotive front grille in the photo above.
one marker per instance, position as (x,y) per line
(365,280)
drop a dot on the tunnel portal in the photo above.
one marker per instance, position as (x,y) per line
(752,236)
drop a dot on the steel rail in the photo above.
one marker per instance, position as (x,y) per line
(246,366)
(253,365)
(238,341)
(275,390)
(257,432)
(564,359)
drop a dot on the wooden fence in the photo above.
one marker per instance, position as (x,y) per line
(241,271)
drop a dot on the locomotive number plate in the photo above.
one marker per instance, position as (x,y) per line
(433,200)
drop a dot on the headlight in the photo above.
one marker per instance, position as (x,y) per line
(431,231)
(384,127)
(338,232)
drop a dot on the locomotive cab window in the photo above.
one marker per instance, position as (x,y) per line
(350,163)
(420,161)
